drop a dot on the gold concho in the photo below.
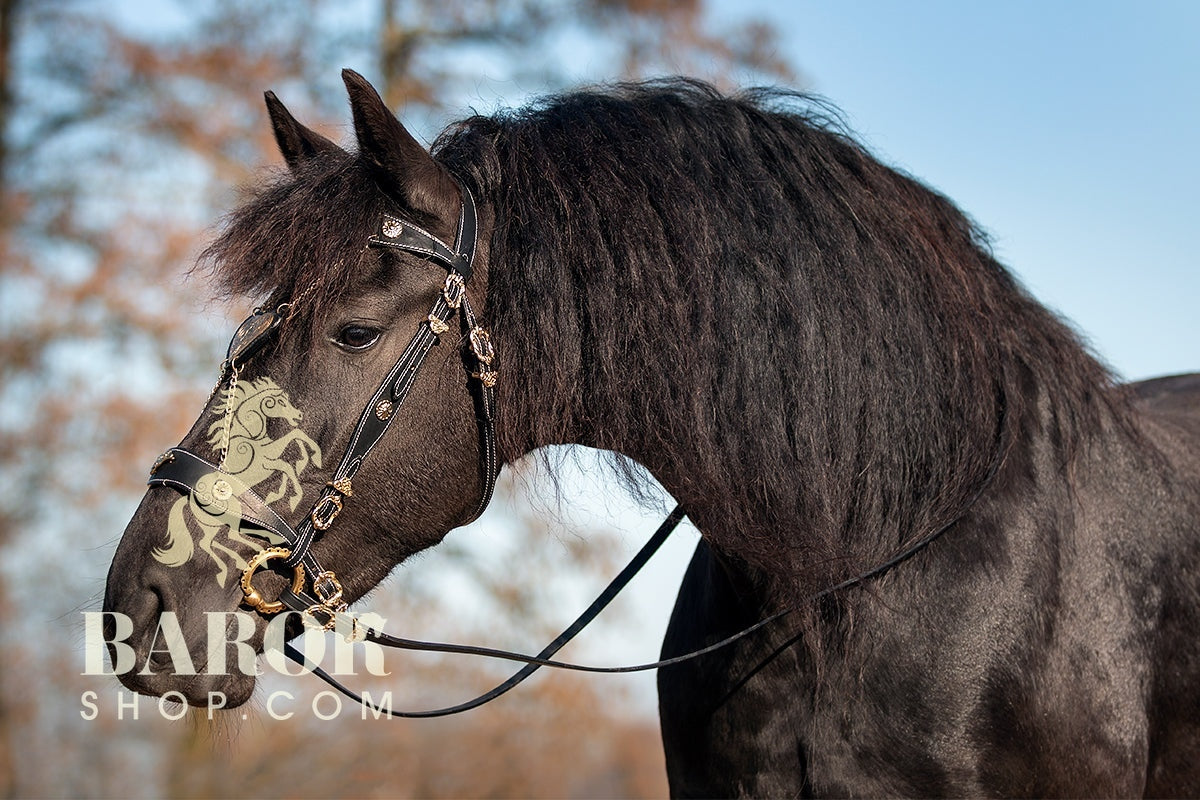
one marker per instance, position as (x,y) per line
(437,325)
(383,409)
(392,227)
(252,597)
(221,489)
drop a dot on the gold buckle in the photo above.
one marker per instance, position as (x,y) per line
(252,596)
(327,582)
(481,345)
(326,511)
(328,590)
(454,290)
(328,624)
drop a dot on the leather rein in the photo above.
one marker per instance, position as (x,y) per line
(315,593)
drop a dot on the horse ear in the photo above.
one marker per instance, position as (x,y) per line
(403,168)
(297,144)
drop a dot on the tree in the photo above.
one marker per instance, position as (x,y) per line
(123,137)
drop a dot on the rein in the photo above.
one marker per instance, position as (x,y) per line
(322,606)
(544,658)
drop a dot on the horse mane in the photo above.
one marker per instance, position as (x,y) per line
(815,348)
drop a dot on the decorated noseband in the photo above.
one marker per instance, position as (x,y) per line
(183,470)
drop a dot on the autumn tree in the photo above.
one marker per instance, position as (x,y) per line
(126,130)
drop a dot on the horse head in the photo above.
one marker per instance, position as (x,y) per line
(344,314)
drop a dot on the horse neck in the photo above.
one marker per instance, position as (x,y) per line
(571,376)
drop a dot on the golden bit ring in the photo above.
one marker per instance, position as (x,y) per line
(252,596)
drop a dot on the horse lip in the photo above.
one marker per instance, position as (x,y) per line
(201,690)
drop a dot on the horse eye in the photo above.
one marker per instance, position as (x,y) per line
(356,337)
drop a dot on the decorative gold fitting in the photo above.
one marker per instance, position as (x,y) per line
(326,511)
(481,344)
(327,582)
(383,409)
(392,227)
(328,624)
(454,290)
(343,486)
(221,489)
(328,590)
(163,459)
(252,597)
(437,325)
(488,377)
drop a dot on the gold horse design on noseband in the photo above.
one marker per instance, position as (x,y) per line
(251,456)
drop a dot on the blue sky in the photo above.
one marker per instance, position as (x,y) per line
(1066,129)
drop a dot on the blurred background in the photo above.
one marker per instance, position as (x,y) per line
(128,128)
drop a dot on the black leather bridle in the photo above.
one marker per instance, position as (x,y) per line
(322,605)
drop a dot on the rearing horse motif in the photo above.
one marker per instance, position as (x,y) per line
(252,456)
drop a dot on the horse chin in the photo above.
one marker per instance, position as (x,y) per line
(201,690)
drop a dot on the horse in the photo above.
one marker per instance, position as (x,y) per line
(984,549)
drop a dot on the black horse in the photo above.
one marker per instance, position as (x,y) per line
(815,354)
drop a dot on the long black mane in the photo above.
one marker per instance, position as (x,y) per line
(815,342)
(819,352)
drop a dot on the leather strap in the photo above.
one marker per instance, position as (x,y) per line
(532,663)
(182,470)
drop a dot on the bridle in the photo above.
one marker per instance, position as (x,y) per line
(315,593)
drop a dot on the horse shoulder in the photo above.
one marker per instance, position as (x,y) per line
(729,729)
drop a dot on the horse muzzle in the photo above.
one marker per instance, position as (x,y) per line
(155,645)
